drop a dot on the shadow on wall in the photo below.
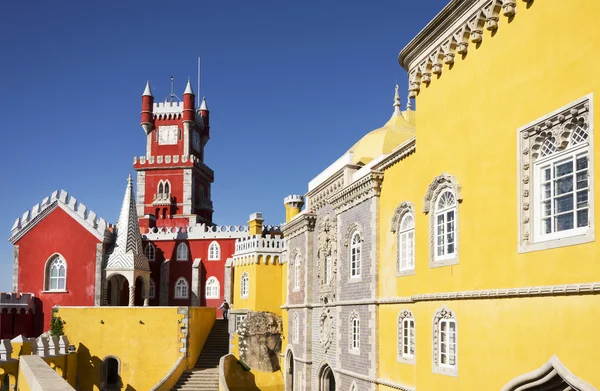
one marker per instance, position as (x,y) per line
(98,375)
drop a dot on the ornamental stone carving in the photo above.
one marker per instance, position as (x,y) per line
(326,329)
(442,313)
(442,181)
(403,208)
(354,227)
(327,252)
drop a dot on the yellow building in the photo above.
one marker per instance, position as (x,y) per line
(489,267)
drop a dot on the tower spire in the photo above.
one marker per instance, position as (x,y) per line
(188,88)
(147,91)
(397,102)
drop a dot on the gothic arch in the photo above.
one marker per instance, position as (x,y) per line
(438,184)
(403,208)
(552,375)
(354,227)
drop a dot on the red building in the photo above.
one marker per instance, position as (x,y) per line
(65,255)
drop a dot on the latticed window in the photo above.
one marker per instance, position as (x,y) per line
(244,285)
(212,288)
(181,289)
(152,290)
(447,343)
(563,186)
(445,225)
(182,252)
(354,332)
(297,271)
(214,251)
(57,275)
(406,243)
(150,252)
(355,254)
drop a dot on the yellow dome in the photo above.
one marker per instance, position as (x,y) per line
(396,131)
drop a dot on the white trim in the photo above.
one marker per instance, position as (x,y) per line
(218,251)
(187,250)
(354,335)
(403,316)
(187,288)
(244,285)
(47,266)
(215,280)
(355,266)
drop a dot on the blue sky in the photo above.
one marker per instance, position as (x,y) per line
(290,85)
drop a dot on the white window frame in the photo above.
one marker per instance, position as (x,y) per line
(48,277)
(182,288)
(354,333)
(214,251)
(355,255)
(244,285)
(151,289)
(212,283)
(558,126)
(297,270)
(445,213)
(182,249)
(447,346)
(405,334)
(445,318)
(150,252)
(406,238)
(295,328)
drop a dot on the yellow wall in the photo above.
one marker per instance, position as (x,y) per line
(146,340)
(265,288)
(468,121)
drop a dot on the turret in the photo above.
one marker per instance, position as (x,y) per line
(255,224)
(188,103)
(293,205)
(147,115)
(203,109)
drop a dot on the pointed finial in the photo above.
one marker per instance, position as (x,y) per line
(397,102)
(188,88)
(203,104)
(408,103)
(147,91)
(129,181)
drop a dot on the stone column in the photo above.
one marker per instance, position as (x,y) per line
(132,295)
(196,282)
(146,292)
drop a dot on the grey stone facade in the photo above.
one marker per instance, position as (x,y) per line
(324,310)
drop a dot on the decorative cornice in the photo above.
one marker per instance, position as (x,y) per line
(318,197)
(367,187)
(398,154)
(97,226)
(460,22)
(299,224)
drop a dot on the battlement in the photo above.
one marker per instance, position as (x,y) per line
(293,199)
(153,162)
(197,231)
(256,249)
(167,108)
(18,301)
(88,218)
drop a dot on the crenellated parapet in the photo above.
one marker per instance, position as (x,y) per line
(196,231)
(449,34)
(18,301)
(256,249)
(60,198)
(167,110)
(172,161)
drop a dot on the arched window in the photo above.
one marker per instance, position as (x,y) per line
(406,243)
(406,337)
(182,252)
(214,252)
(295,329)
(355,254)
(212,288)
(297,272)
(181,289)
(445,225)
(56,275)
(152,290)
(150,252)
(167,188)
(161,188)
(445,358)
(354,333)
(244,285)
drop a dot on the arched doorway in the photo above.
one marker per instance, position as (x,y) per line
(139,292)
(4,382)
(326,379)
(111,376)
(289,372)
(117,291)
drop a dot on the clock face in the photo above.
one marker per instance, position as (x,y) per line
(167,135)
(196,141)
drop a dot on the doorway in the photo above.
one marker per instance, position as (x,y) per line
(326,379)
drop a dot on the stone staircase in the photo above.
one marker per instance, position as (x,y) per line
(205,376)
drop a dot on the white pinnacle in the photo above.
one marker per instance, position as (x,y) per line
(203,104)
(147,91)
(397,103)
(188,88)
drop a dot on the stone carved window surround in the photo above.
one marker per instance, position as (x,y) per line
(446,317)
(554,130)
(353,240)
(326,264)
(296,271)
(182,252)
(406,318)
(404,209)
(354,333)
(439,185)
(182,288)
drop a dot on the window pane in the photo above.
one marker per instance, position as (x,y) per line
(546,174)
(563,222)
(563,169)
(563,204)
(582,180)
(563,185)
(62,272)
(53,283)
(61,283)
(546,226)
(582,199)
(582,163)
(582,218)
(546,190)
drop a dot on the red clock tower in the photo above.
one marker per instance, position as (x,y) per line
(173,183)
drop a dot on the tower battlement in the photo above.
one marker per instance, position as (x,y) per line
(153,162)
(197,231)
(17,301)
(167,108)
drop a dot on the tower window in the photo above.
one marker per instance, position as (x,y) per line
(214,252)
(181,289)
(212,288)
(56,275)
(150,252)
(182,252)
(244,285)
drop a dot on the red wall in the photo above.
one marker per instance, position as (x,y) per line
(58,233)
(175,178)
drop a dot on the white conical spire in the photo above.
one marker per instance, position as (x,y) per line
(408,104)
(188,88)
(128,252)
(147,91)
(397,103)
(203,104)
